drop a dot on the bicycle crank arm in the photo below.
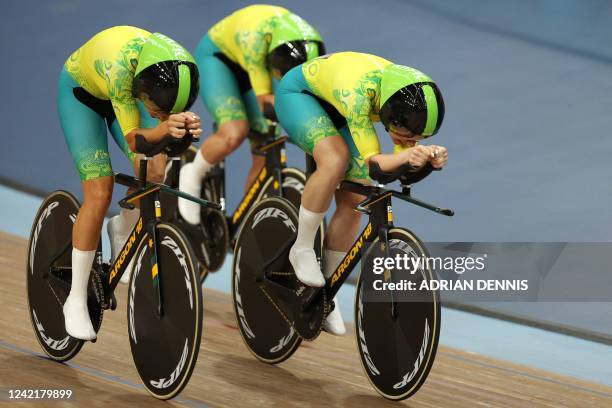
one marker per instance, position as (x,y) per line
(308,296)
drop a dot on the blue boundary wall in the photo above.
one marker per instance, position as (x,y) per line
(526,83)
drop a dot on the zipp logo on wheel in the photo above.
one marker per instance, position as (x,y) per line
(271,212)
(162,382)
(45,214)
(169,242)
(417,364)
(283,341)
(136,272)
(240,311)
(362,342)
(52,343)
(292,182)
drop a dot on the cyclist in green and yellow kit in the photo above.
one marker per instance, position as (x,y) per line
(328,107)
(139,84)
(240,57)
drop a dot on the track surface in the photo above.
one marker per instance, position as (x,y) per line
(326,371)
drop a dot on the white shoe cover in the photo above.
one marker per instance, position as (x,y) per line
(306,267)
(77,321)
(334,324)
(189,184)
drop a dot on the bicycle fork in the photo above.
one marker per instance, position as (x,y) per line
(380,211)
(153,215)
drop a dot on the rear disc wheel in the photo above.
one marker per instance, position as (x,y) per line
(265,330)
(49,276)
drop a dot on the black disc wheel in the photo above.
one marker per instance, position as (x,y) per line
(265,236)
(165,346)
(398,362)
(209,239)
(49,276)
(293,182)
(214,244)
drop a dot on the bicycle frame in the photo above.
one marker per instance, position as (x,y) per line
(274,153)
(150,216)
(378,207)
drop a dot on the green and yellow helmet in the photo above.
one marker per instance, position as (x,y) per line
(167,74)
(293,42)
(410,100)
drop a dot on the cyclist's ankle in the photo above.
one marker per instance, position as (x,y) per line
(81,266)
(308,226)
(200,166)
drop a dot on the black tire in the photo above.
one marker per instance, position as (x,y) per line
(165,349)
(264,329)
(50,245)
(411,338)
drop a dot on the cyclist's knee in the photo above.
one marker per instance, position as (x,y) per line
(98,195)
(156,172)
(233,134)
(333,159)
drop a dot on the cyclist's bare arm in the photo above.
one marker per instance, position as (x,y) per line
(417,156)
(173,125)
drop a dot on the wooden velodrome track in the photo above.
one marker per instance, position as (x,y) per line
(326,372)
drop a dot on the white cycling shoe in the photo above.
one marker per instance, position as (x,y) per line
(118,238)
(306,267)
(76,318)
(334,324)
(190,184)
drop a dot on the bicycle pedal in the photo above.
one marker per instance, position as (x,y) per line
(113,302)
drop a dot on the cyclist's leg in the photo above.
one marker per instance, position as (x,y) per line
(258,124)
(85,134)
(310,127)
(343,227)
(221,95)
(344,224)
(120,226)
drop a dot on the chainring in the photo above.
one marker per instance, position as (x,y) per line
(307,323)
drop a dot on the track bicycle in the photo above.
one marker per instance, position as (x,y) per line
(217,231)
(164,306)
(397,333)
